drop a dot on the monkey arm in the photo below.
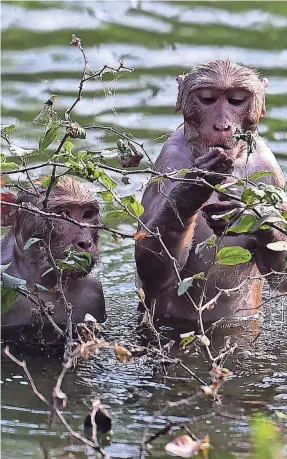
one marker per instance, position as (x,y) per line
(170,210)
(269,260)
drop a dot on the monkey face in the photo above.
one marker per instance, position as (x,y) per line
(83,239)
(216,99)
(218,113)
(69,198)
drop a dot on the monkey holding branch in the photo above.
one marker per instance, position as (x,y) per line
(216,99)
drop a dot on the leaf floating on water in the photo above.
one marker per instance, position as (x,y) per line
(184,446)
(116,237)
(123,354)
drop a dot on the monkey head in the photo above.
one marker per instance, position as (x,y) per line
(217,98)
(69,197)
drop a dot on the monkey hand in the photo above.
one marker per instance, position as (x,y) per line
(215,160)
(219,215)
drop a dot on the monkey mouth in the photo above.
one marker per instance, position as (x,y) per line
(224,146)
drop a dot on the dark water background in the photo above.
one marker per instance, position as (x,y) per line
(161,40)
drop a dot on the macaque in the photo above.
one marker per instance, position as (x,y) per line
(216,99)
(81,287)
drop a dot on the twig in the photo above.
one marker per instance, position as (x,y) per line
(44,400)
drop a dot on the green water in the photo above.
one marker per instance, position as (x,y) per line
(161,40)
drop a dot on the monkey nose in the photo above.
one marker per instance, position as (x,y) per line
(222,127)
(84,245)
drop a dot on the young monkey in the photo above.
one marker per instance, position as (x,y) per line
(82,288)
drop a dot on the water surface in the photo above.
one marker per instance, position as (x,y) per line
(161,40)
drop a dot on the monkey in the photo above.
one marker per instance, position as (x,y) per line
(82,287)
(216,99)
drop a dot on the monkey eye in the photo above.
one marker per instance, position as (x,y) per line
(207,96)
(88,214)
(236,102)
(237,96)
(207,100)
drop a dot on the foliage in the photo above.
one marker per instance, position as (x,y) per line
(266,440)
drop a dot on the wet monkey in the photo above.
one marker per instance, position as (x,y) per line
(215,99)
(82,288)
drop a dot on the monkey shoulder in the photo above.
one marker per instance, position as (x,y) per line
(264,159)
(175,154)
(86,296)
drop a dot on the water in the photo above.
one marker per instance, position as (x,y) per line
(161,40)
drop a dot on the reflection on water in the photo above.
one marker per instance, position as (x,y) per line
(161,40)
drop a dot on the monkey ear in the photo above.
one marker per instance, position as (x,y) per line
(8,212)
(263,111)
(180,80)
(265,82)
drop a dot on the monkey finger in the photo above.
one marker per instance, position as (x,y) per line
(220,207)
(217,227)
(211,154)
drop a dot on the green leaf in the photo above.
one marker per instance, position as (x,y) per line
(9,165)
(40,288)
(233,255)
(12,282)
(252,195)
(8,130)
(134,204)
(277,246)
(75,260)
(266,440)
(49,136)
(117,214)
(68,146)
(188,282)
(211,240)
(107,180)
(259,174)
(30,242)
(46,181)
(8,297)
(4,267)
(82,155)
(207,242)
(107,196)
(187,339)
(245,224)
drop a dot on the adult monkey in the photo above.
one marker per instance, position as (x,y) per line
(82,288)
(216,99)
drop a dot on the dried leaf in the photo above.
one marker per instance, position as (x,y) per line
(139,235)
(208,390)
(184,446)
(123,355)
(140,293)
(116,237)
